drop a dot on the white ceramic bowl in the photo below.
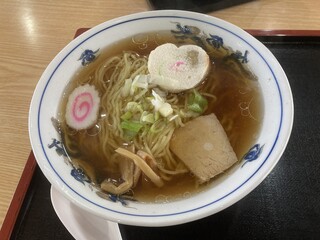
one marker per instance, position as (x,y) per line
(275,132)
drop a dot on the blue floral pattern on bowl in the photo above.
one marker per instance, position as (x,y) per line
(88,56)
(215,41)
(253,154)
(79,175)
(58,147)
(185,32)
(241,57)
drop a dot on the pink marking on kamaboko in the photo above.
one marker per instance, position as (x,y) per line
(82,106)
(177,64)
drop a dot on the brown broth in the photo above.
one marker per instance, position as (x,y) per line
(237,98)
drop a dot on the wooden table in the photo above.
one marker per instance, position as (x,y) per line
(33,32)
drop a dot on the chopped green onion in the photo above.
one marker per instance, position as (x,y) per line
(165,110)
(140,81)
(195,107)
(140,94)
(132,126)
(134,107)
(146,105)
(129,135)
(157,101)
(147,117)
(161,105)
(197,103)
(126,115)
(198,98)
(156,116)
(188,113)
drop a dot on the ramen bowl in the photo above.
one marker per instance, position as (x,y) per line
(253,167)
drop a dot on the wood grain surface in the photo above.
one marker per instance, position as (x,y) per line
(34,31)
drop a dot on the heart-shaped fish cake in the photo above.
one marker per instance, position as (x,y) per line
(178,68)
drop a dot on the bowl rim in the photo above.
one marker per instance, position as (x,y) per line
(197,213)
